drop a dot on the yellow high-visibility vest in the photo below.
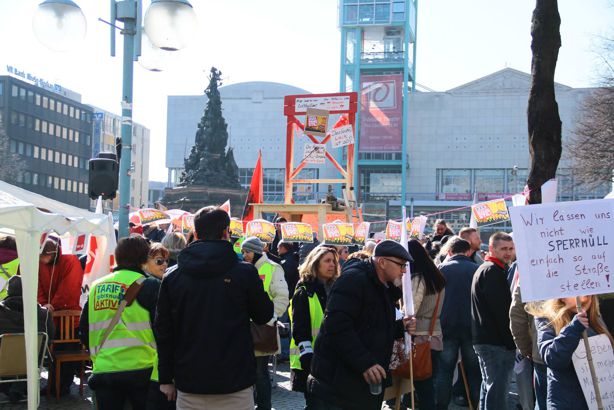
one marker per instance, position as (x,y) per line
(131,344)
(317,316)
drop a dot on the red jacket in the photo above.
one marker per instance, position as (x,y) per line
(64,291)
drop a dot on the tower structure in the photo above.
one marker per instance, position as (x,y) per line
(378,60)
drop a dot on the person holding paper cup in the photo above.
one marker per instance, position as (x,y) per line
(352,352)
(559,332)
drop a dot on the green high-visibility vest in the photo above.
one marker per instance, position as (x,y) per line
(7,271)
(266,275)
(131,344)
(237,245)
(317,316)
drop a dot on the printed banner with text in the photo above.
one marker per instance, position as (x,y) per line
(393,231)
(491,211)
(263,230)
(564,249)
(236,228)
(296,232)
(361,233)
(338,233)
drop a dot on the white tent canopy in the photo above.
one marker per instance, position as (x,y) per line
(20,210)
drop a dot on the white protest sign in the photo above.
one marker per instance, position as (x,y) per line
(314,153)
(564,249)
(342,136)
(603,361)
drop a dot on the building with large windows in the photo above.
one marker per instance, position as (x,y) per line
(51,131)
(472,141)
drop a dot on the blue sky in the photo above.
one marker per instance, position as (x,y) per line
(269,40)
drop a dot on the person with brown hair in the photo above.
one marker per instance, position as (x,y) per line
(317,274)
(559,331)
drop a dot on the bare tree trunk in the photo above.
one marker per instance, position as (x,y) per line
(543,111)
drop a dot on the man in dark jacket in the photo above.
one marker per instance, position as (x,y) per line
(289,262)
(203,320)
(458,269)
(354,346)
(11,321)
(490,322)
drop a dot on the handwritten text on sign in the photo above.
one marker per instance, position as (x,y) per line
(564,249)
(603,360)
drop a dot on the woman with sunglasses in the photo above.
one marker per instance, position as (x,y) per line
(157,262)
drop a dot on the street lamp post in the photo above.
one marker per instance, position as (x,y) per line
(169,25)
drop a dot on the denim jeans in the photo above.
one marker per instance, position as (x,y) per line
(497,365)
(452,343)
(263,383)
(541,385)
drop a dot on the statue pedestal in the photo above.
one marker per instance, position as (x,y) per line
(194,197)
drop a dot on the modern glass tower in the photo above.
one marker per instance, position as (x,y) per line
(378,60)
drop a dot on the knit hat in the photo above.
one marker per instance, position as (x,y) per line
(14,288)
(253,244)
(392,248)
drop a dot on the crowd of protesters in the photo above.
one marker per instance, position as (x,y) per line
(175,324)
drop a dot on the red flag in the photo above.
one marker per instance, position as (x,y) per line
(256,191)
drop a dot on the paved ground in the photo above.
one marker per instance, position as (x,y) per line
(283,398)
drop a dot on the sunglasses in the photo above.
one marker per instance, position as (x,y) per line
(160,261)
(399,264)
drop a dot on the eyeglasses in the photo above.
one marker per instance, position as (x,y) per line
(399,264)
(160,261)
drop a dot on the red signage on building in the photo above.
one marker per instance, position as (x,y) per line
(381,113)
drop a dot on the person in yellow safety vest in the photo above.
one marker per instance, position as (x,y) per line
(236,246)
(275,286)
(9,263)
(122,345)
(317,275)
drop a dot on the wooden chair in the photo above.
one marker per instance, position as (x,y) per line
(13,367)
(65,333)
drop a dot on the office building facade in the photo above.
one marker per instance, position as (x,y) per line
(51,131)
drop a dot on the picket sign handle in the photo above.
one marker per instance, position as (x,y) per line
(411,376)
(589,357)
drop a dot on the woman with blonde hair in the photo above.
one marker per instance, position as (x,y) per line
(559,331)
(317,275)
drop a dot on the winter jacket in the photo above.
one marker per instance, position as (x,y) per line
(60,285)
(456,312)
(358,332)
(11,317)
(278,292)
(289,262)
(564,390)
(522,326)
(278,289)
(301,326)
(202,323)
(424,307)
(490,306)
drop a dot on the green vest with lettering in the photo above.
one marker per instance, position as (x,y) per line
(317,316)
(266,274)
(131,344)
(7,271)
